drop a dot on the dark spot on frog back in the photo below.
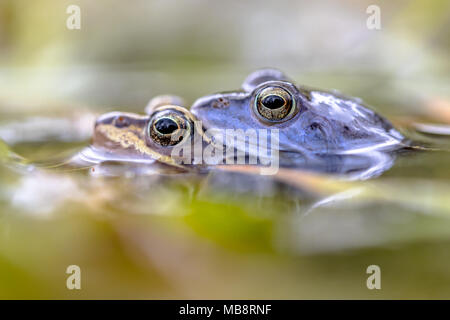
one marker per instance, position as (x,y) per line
(354,131)
(221,103)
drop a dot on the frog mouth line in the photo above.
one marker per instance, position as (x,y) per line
(129,139)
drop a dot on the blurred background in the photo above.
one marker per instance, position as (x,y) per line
(146,237)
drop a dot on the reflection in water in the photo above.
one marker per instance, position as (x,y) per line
(77,127)
(164,219)
(361,165)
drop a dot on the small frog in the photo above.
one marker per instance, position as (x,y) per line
(130,137)
(311,122)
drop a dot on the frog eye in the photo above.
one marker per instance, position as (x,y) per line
(168,128)
(274,104)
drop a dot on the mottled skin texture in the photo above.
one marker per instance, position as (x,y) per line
(322,122)
(320,130)
(120,136)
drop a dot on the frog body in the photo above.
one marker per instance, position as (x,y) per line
(146,139)
(310,121)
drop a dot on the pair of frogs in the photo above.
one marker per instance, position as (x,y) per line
(316,129)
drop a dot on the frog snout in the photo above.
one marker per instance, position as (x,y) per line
(107,118)
(117,119)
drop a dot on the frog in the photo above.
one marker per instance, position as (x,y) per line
(148,138)
(310,121)
(316,128)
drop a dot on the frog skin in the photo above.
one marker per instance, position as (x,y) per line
(311,122)
(130,137)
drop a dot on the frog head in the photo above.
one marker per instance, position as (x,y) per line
(123,136)
(309,121)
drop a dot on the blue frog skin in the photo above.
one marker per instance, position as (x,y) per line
(311,122)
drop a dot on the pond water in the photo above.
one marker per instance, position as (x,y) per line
(228,233)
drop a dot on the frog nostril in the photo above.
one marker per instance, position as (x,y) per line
(121,122)
(166,126)
(107,119)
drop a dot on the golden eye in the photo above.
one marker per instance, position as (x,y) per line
(168,128)
(274,103)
